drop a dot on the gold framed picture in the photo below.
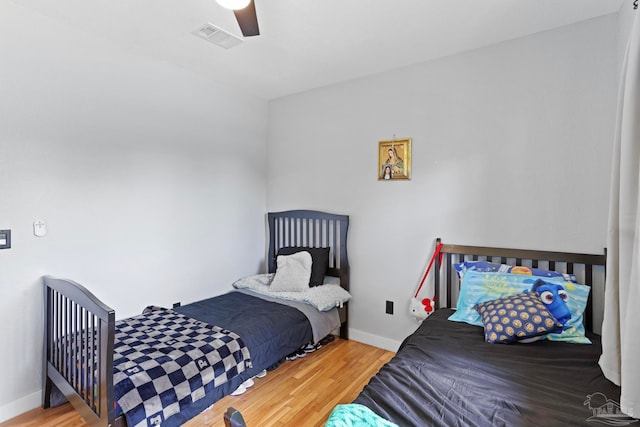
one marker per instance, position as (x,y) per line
(394,159)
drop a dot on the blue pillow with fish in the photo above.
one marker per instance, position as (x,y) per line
(480,286)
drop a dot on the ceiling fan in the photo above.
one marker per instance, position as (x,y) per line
(245,12)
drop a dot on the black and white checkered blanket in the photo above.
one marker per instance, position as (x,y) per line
(164,360)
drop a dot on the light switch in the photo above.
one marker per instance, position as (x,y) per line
(5,239)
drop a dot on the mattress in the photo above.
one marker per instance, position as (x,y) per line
(268,329)
(444,374)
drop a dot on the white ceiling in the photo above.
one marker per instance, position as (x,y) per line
(306,44)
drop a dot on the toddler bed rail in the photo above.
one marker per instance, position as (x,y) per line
(78,350)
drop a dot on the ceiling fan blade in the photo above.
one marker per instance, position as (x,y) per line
(248,20)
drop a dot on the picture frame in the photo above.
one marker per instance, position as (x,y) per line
(394,159)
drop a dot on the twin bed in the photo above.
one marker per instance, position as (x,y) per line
(166,366)
(445,374)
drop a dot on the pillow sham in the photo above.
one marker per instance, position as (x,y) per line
(487,266)
(323,298)
(292,273)
(319,265)
(518,317)
(573,331)
(331,280)
(478,287)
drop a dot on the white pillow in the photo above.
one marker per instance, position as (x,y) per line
(293,272)
(331,280)
(325,297)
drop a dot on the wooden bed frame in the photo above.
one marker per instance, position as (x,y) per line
(74,315)
(437,366)
(584,266)
(314,229)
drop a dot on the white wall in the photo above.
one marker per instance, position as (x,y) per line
(511,147)
(150,179)
(626,15)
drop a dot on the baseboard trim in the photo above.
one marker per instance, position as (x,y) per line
(20,406)
(374,340)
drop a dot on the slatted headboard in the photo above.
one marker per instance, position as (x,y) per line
(584,266)
(316,230)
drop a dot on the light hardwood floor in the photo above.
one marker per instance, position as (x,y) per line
(299,393)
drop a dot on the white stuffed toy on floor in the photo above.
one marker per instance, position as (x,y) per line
(421,308)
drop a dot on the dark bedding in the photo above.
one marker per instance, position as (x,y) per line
(164,361)
(269,330)
(446,375)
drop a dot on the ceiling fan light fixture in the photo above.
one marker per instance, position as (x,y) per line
(234,4)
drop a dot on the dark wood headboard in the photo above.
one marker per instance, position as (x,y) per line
(316,230)
(565,262)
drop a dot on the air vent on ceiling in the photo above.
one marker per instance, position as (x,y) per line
(217,36)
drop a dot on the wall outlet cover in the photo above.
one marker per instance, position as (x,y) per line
(39,228)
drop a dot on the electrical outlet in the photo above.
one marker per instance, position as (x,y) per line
(389,309)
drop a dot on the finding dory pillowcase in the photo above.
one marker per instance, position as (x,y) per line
(478,287)
(573,331)
(486,266)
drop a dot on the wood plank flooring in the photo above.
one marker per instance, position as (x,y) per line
(299,393)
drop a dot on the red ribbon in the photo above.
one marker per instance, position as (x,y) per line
(436,253)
